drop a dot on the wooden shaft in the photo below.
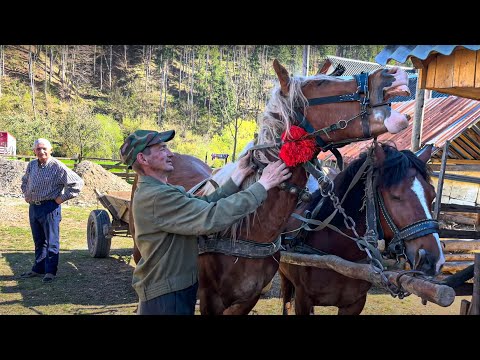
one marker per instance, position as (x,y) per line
(439,294)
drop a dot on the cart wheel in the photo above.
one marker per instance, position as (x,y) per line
(97,229)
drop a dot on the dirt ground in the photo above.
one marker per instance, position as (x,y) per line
(87,285)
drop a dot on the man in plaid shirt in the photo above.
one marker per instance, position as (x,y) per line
(47,183)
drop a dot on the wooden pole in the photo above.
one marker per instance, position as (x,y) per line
(442,295)
(306,59)
(475,304)
(418,117)
(438,199)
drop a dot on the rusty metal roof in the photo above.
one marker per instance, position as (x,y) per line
(401,53)
(449,118)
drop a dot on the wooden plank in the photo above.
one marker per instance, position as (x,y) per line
(463,178)
(457,161)
(430,79)
(438,198)
(477,70)
(460,257)
(460,218)
(444,71)
(460,245)
(453,167)
(459,208)
(439,294)
(459,234)
(464,70)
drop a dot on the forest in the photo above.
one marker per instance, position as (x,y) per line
(87,98)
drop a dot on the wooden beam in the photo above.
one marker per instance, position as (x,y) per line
(460,257)
(439,294)
(460,208)
(462,178)
(461,167)
(460,245)
(457,162)
(460,234)
(418,118)
(438,198)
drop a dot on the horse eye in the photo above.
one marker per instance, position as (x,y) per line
(394,197)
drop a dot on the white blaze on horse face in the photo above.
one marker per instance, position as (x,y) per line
(418,190)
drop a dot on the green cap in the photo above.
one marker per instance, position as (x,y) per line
(139,140)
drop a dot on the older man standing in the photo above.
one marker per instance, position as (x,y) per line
(47,183)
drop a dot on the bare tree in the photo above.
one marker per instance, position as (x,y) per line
(31,75)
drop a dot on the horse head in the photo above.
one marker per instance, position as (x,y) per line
(340,111)
(405,197)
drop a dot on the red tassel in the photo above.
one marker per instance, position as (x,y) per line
(295,151)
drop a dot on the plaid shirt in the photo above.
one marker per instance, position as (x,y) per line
(48,181)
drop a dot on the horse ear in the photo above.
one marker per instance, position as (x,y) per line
(282,75)
(425,153)
(379,155)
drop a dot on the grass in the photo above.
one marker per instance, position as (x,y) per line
(86,285)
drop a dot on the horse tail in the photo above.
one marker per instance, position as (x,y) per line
(287,290)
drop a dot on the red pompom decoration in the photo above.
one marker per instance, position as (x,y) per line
(295,151)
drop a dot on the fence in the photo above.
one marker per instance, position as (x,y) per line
(127,174)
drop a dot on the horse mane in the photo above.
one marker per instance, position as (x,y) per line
(271,123)
(393,171)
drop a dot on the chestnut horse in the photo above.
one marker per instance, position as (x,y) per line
(334,111)
(404,196)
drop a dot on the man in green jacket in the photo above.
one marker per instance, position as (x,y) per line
(168,220)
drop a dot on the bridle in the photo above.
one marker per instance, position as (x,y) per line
(409,232)
(362,95)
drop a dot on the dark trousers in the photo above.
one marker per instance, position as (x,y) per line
(45,224)
(180,302)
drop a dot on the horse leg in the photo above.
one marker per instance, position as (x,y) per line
(242,308)
(210,303)
(303,304)
(353,309)
(287,290)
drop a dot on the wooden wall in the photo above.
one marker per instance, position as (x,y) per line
(455,74)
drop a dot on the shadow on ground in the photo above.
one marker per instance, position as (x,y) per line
(81,280)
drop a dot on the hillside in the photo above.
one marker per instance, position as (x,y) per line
(87,98)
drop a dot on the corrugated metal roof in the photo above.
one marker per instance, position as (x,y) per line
(401,53)
(449,118)
(353,67)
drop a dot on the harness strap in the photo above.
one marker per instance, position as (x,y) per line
(202,183)
(362,81)
(242,248)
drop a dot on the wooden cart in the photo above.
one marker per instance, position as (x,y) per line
(100,229)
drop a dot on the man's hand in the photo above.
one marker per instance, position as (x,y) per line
(58,200)
(242,170)
(274,174)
